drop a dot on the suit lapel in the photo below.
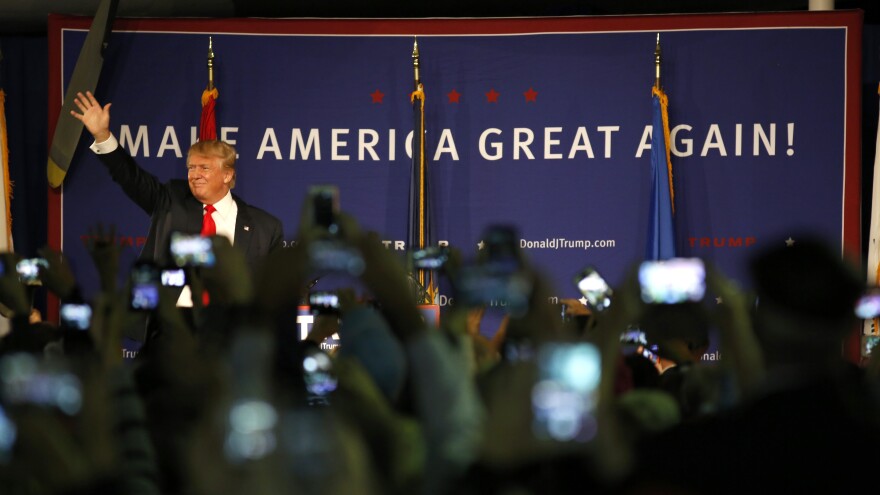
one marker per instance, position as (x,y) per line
(194,215)
(243,227)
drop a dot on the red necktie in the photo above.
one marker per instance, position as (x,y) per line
(209,228)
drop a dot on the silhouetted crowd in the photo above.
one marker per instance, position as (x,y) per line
(615,396)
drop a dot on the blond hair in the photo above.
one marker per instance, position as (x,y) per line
(216,149)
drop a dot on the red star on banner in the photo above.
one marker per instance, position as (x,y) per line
(453,96)
(492,96)
(377,96)
(531,95)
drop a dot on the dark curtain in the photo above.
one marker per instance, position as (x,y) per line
(24,77)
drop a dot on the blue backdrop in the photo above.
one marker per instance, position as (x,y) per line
(545,130)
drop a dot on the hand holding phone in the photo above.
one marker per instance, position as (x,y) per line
(29,270)
(672,281)
(430,258)
(173,277)
(594,288)
(76,316)
(323,303)
(28,381)
(191,250)
(501,249)
(564,398)
(325,207)
(868,306)
(145,281)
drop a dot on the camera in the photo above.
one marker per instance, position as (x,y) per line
(144,286)
(191,250)
(322,303)
(672,281)
(594,288)
(430,258)
(325,206)
(76,316)
(173,277)
(29,270)
(566,393)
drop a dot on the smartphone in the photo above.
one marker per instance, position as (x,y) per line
(29,270)
(325,206)
(323,302)
(28,381)
(191,250)
(868,306)
(869,343)
(145,280)
(76,316)
(566,393)
(594,288)
(251,418)
(320,380)
(672,281)
(173,277)
(500,248)
(330,255)
(494,285)
(8,435)
(430,258)
(634,341)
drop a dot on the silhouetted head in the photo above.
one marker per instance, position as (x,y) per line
(806,297)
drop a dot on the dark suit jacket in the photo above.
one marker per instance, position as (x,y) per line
(172,207)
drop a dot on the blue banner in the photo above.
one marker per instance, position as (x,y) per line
(549,131)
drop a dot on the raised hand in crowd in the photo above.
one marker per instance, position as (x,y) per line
(13,294)
(732,316)
(57,276)
(104,251)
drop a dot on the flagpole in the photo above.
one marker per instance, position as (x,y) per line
(657,63)
(419,212)
(211,63)
(415,58)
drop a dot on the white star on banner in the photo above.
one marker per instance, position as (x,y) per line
(583,301)
(481,245)
(789,242)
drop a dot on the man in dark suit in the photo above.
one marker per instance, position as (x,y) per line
(204,201)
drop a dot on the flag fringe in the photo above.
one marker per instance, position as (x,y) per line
(664,111)
(208,120)
(4,156)
(208,95)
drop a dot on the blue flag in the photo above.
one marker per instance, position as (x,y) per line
(661,229)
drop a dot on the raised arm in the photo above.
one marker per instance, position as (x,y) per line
(94,117)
